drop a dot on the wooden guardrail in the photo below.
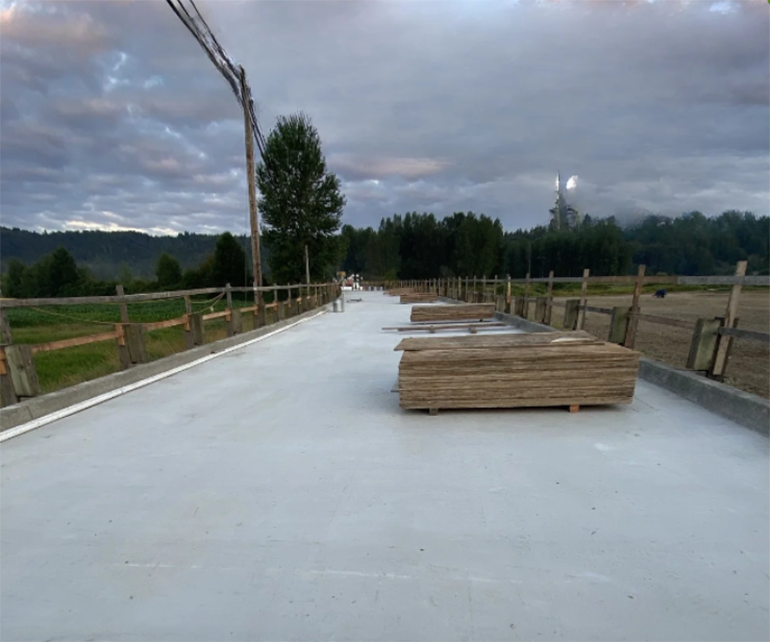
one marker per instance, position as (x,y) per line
(18,377)
(710,341)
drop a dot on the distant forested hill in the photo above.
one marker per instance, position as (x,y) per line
(106,253)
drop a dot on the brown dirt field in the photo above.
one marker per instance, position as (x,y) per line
(749,365)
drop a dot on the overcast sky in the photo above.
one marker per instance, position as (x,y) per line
(111,117)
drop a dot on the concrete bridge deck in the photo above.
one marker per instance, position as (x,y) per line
(278,493)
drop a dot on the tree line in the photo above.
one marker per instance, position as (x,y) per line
(417,246)
(58,275)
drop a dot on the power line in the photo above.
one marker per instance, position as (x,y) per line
(231,72)
(235,75)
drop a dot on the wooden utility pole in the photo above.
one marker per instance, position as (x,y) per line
(251,175)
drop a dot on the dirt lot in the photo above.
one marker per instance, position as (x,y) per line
(749,365)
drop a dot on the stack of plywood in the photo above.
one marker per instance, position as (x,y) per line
(419,297)
(399,291)
(514,371)
(461,312)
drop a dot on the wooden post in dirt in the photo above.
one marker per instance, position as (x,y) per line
(571,310)
(508,294)
(541,304)
(22,370)
(721,354)
(581,320)
(703,345)
(123,356)
(525,311)
(189,342)
(618,325)
(633,320)
(549,301)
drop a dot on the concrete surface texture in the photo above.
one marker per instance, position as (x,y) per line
(279,493)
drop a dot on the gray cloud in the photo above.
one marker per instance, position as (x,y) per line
(112,117)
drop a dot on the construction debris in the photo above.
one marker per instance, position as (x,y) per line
(461,312)
(569,369)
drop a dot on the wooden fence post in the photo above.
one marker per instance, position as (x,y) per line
(5,328)
(581,320)
(123,356)
(519,306)
(236,321)
(618,325)
(525,310)
(549,302)
(261,311)
(229,326)
(134,337)
(703,344)
(508,294)
(22,370)
(189,342)
(540,308)
(571,309)
(721,354)
(633,320)
(7,391)
(196,327)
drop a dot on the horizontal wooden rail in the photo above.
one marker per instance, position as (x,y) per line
(169,323)
(630,280)
(593,308)
(77,341)
(216,315)
(654,318)
(752,335)
(147,296)
(724,280)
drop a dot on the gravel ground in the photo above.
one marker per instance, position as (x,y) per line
(749,365)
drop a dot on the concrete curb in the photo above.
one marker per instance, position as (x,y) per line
(39,407)
(744,408)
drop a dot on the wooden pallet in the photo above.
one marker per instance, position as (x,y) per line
(569,369)
(462,312)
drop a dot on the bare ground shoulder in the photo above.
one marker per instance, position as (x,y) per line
(749,366)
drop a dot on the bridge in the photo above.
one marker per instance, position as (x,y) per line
(278,492)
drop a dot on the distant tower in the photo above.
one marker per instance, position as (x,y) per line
(558,211)
(563,215)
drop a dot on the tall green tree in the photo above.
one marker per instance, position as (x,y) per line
(301,202)
(168,271)
(229,264)
(13,280)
